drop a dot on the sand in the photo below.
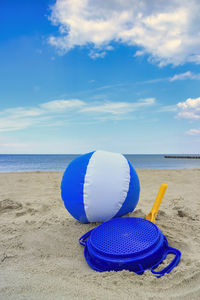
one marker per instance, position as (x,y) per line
(40,257)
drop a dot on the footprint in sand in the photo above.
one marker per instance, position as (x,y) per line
(30,211)
(8,204)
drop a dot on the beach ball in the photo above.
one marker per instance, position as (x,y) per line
(100,185)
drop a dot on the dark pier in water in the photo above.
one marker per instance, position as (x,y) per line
(183,156)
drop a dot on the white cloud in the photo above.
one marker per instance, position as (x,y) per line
(22,117)
(189,109)
(139,53)
(168,31)
(184,76)
(119,108)
(10,124)
(181,76)
(168,108)
(60,105)
(94,54)
(193,132)
(98,53)
(58,112)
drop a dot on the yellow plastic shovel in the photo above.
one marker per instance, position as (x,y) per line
(153,213)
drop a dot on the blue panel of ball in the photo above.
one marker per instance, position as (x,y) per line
(72,187)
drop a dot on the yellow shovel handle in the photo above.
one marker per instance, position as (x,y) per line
(153,213)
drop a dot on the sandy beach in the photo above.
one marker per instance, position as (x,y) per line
(40,257)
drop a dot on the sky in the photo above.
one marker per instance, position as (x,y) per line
(84,75)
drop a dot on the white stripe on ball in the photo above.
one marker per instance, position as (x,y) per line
(111,172)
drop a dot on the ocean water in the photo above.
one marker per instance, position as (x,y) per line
(48,162)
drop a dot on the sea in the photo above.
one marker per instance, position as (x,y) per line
(59,162)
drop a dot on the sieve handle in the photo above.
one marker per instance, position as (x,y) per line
(173,263)
(82,240)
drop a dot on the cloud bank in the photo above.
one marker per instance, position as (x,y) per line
(59,112)
(169,32)
(189,109)
(193,131)
(184,76)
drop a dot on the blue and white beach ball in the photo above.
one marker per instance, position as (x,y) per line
(100,185)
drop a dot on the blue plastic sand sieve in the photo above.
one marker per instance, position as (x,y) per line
(132,244)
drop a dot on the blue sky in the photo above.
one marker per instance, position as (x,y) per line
(113,75)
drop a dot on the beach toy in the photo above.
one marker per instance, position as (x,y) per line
(100,185)
(128,243)
(153,213)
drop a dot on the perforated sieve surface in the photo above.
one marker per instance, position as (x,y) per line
(124,236)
